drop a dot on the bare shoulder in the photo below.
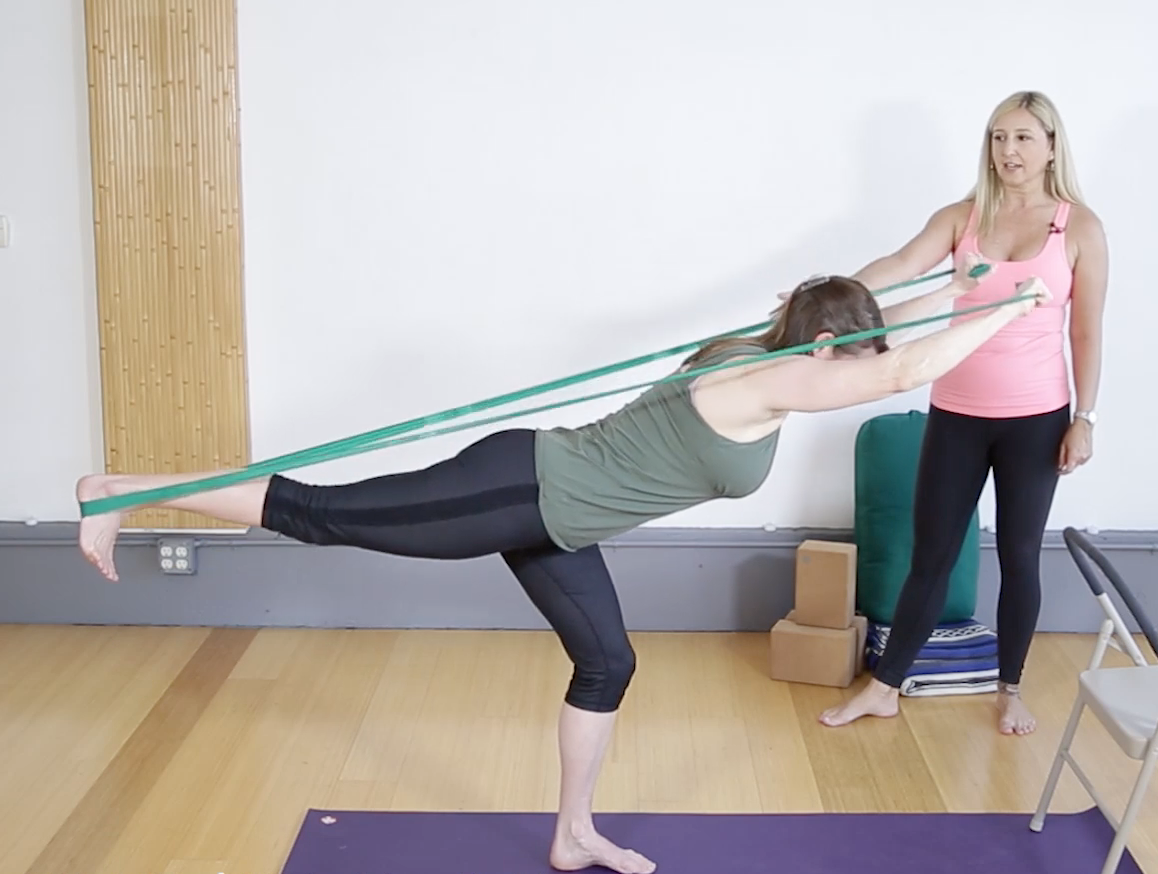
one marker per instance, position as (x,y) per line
(952,218)
(958,210)
(808,384)
(1085,224)
(1087,235)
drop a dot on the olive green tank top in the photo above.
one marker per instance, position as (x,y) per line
(653,457)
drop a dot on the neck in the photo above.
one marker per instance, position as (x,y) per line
(1025,197)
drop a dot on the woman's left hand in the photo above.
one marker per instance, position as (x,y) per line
(1077,446)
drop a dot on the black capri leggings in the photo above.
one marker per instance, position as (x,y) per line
(956,456)
(482,501)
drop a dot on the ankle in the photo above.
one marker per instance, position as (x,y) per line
(881,689)
(575,827)
(109,484)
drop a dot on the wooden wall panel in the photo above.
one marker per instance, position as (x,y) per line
(162,77)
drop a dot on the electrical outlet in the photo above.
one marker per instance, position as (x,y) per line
(5,232)
(177,555)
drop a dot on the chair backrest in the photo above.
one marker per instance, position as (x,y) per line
(1086,556)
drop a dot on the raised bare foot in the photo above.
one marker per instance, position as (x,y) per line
(1013,717)
(582,848)
(98,534)
(875,699)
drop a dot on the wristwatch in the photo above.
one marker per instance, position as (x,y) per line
(1089,415)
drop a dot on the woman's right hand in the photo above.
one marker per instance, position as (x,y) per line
(963,283)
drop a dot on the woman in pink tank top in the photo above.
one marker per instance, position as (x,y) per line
(1006,408)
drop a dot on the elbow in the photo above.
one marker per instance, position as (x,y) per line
(885,271)
(906,382)
(1085,339)
(902,373)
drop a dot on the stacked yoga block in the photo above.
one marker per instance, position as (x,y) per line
(822,640)
(846,593)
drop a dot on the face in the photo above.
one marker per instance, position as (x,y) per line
(1020,148)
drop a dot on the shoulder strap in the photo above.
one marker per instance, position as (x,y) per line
(970,229)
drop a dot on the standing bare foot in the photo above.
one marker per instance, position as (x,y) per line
(1013,717)
(98,534)
(875,699)
(582,847)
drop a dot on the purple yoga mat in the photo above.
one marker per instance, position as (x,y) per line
(367,842)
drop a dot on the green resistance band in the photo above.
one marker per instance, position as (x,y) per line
(388,436)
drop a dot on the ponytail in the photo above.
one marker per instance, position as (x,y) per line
(823,303)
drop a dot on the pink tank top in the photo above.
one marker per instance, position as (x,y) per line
(1021,370)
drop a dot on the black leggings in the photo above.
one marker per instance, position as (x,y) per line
(482,501)
(956,456)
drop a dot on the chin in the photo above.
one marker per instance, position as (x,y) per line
(1019,176)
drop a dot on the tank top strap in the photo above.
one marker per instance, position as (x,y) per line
(968,239)
(1061,218)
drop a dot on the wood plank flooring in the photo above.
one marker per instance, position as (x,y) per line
(196,751)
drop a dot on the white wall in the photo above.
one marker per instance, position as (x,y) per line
(535,189)
(49,385)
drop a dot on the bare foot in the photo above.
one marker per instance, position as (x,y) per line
(98,534)
(585,848)
(1013,717)
(875,699)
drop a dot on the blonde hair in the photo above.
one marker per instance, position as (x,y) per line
(1061,180)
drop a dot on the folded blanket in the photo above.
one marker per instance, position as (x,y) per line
(959,658)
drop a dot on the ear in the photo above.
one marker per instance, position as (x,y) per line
(823,351)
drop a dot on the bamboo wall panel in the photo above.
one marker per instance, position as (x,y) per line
(163,110)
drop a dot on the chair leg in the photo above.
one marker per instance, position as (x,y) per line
(1063,747)
(1118,847)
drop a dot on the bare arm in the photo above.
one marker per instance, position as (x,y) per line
(1088,302)
(920,307)
(810,384)
(932,302)
(921,254)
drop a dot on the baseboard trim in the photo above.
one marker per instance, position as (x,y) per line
(670,579)
(58,533)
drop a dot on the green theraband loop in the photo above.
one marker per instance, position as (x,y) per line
(388,436)
(322,452)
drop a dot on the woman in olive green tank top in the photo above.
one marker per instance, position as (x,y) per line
(543,500)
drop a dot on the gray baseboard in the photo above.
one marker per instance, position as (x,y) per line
(669,579)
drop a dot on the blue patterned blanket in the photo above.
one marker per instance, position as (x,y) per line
(960,658)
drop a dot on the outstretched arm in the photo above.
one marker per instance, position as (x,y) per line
(920,307)
(810,384)
(921,254)
(932,302)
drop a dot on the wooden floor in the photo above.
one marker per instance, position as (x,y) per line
(196,751)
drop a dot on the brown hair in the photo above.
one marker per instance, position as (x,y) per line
(836,304)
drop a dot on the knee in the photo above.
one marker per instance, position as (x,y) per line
(600,684)
(1020,561)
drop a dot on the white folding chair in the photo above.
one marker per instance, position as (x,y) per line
(1124,699)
